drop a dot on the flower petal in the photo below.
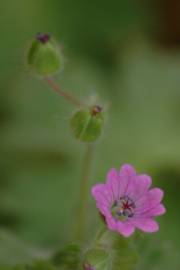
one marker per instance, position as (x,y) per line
(155,211)
(101,194)
(112,174)
(146,224)
(127,171)
(140,186)
(150,199)
(125,228)
(111,223)
(96,189)
(126,176)
(156,194)
(103,208)
(112,183)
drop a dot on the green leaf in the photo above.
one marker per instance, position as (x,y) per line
(68,258)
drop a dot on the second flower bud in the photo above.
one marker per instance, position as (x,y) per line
(87,124)
(44,56)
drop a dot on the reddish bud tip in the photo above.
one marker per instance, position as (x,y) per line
(95,110)
(43,38)
(87,266)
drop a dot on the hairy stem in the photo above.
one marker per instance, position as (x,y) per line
(99,235)
(83,206)
(62,93)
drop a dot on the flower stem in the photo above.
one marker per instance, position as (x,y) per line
(99,235)
(62,93)
(87,162)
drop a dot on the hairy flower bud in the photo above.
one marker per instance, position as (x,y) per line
(87,124)
(87,266)
(44,56)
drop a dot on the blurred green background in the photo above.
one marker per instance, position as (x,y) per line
(128,54)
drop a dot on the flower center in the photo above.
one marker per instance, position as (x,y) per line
(123,208)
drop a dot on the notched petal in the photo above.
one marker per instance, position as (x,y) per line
(127,170)
(156,195)
(112,183)
(96,189)
(125,228)
(112,174)
(155,211)
(146,224)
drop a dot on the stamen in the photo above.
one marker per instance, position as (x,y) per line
(123,208)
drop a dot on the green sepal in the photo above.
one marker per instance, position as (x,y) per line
(98,258)
(45,58)
(112,252)
(87,127)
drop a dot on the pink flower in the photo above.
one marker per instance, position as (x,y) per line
(127,203)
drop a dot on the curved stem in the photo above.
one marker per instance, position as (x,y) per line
(81,222)
(62,93)
(99,235)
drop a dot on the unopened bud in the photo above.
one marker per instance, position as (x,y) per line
(87,266)
(87,124)
(44,56)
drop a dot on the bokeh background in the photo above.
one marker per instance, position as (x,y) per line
(128,54)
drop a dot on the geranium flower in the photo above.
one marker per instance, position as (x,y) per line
(126,202)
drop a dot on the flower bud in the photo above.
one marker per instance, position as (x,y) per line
(87,266)
(44,56)
(87,124)
(96,258)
